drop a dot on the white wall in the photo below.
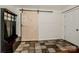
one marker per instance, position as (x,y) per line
(51,25)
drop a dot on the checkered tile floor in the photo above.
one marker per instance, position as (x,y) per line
(46,46)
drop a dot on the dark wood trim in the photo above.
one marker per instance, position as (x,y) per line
(8,11)
(2,23)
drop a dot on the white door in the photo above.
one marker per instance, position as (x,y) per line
(71,24)
(29,26)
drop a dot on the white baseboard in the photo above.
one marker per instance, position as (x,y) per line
(40,39)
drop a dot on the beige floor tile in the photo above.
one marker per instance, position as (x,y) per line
(38,51)
(43,47)
(24,51)
(51,50)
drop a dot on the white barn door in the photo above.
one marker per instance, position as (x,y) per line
(29,26)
